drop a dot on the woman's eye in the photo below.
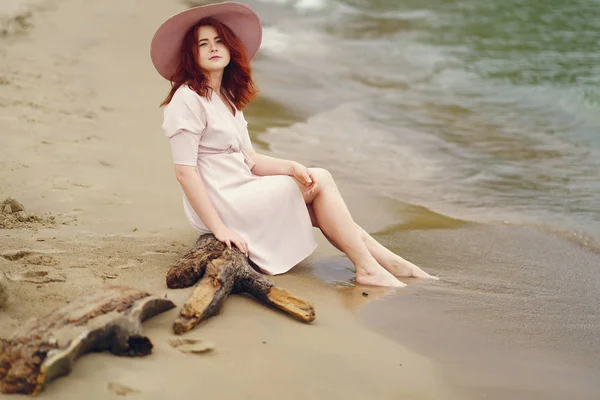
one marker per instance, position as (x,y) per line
(218,40)
(202,44)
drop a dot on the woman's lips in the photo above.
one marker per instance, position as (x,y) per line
(214,57)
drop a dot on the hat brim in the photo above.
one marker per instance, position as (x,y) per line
(166,43)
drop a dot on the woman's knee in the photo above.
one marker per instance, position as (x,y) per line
(322,175)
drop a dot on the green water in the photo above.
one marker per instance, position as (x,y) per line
(490,107)
(511,89)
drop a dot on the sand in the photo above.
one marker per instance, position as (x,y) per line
(3,292)
(82,151)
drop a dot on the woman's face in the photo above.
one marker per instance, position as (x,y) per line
(213,55)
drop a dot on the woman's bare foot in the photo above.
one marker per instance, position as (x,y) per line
(377,276)
(398,266)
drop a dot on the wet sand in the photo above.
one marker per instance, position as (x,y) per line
(513,316)
(81,148)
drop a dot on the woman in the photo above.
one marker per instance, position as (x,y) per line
(264,206)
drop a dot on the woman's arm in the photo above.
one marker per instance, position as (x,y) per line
(265,165)
(196,193)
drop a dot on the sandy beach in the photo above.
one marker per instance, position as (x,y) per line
(469,150)
(81,149)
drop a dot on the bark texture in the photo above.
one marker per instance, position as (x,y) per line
(219,271)
(46,348)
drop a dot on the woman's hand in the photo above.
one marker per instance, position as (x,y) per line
(303,175)
(228,237)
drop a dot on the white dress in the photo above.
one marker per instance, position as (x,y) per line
(268,212)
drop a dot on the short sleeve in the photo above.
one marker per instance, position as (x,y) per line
(246,143)
(186,112)
(184,146)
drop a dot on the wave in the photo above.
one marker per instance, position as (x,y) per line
(302,5)
(415,217)
(581,239)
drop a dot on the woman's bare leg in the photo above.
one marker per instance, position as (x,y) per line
(337,225)
(395,264)
(389,260)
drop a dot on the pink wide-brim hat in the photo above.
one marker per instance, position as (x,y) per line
(166,44)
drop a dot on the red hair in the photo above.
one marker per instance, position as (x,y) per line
(237,77)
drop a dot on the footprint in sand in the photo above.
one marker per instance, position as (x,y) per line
(30,257)
(39,276)
(121,390)
(108,275)
(125,263)
(15,255)
(193,346)
(43,259)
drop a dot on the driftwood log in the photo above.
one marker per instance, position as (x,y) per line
(45,349)
(221,271)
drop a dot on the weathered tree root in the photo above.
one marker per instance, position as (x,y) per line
(222,271)
(46,348)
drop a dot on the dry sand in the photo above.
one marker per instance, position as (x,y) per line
(81,149)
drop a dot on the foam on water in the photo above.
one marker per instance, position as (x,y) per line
(301,5)
(275,1)
(343,133)
(310,5)
(300,46)
(274,40)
